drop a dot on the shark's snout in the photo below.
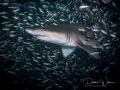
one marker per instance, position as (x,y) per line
(29,31)
(35,33)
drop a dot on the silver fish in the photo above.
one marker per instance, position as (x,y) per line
(85,6)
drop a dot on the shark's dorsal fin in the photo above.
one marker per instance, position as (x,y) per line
(90,50)
(67,50)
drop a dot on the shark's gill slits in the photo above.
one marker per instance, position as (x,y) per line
(68,37)
(71,36)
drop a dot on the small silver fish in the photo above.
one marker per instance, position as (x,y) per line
(85,6)
(96,30)
(106,13)
(104,32)
(45,81)
(106,1)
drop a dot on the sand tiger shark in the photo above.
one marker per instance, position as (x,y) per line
(68,36)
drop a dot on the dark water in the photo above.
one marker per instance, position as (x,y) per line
(30,64)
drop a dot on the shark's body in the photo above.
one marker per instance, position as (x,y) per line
(68,36)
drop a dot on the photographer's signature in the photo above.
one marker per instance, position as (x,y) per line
(89,82)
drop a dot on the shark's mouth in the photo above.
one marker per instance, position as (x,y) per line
(40,36)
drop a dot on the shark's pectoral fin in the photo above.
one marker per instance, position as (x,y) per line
(90,50)
(67,50)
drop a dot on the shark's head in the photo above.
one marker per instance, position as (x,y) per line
(47,35)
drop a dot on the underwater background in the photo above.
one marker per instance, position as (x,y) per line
(30,64)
